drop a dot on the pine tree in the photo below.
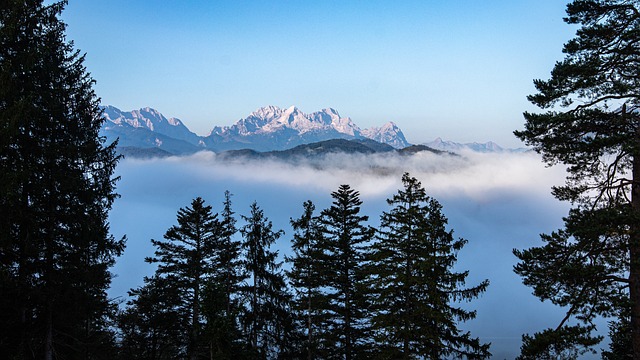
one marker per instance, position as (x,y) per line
(266,320)
(591,124)
(309,302)
(222,306)
(345,238)
(187,256)
(413,283)
(56,190)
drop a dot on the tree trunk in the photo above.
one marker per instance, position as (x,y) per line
(407,306)
(309,330)
(347,310)
(48,337)
(254,304)
(634,253)
(195,322)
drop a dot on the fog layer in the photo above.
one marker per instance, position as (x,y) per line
(496,201)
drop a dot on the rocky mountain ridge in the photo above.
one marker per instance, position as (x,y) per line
(268,128)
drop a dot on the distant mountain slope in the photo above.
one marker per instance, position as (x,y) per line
(268,128)
(143,153)
(132,137)
(488,147)
(150,119)
(321,149)
(409,150)
(315,149)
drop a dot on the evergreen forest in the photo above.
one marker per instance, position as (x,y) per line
(346,290)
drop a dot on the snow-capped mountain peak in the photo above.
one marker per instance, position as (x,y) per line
(267,112)
(149,119)
(388,133)
(267,128)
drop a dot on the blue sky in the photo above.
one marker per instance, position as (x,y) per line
(459,70)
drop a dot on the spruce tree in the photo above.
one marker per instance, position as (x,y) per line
(221,303)
(56,186)
(229,273)
(309,302)
(345,238)
(413,284)
(186,256)
(591,124)
(266,320)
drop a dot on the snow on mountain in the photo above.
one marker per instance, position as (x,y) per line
(488,147)
(388,133)
(267,128)
(149,119)
(272,119)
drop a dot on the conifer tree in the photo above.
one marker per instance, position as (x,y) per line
(266,321)
(345,238)
(591,124)
(152,326)
(56,188)
(187,257)
(413,284)
(309,302)
(222,305)
(228,263)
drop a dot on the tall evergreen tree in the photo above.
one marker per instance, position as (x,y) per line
(222,305)
(266,320)
(230,273)
(309,302)
(414,285)
(345,238)
(56,189)
(591,124)
(187,256)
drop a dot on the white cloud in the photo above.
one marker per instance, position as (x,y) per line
(472,174)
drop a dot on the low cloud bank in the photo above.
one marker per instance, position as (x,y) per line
(473,174)
(496,201)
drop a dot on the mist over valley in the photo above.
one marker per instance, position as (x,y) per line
(497,201)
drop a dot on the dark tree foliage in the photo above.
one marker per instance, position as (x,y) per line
(266,320)
(591,124)
(344,275)
(187,257)
(56,188)
(153,327)
(620,335)
(229,272)
(564,343)
(414,285)
(221,302)
(307,268)
(190,308)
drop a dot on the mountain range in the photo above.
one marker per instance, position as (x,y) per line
(266,129)
(148,133)
(488,147)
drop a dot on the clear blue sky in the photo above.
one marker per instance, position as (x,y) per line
(460,70)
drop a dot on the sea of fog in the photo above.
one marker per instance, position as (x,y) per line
(497,202)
